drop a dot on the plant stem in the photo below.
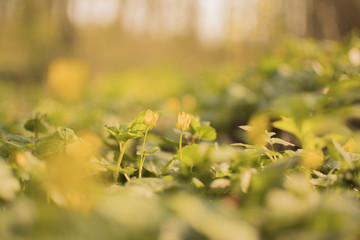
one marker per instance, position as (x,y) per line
(127,177)
(36,134)
(272,148)
(142,157)
(122,148)
(180,145)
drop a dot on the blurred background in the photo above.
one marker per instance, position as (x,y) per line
(126,34)
(83,64)
(168,54)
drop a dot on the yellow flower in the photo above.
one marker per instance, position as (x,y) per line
(151,118)
(183,121)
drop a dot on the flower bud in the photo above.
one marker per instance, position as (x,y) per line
(151,118)
(20,159)
(183,121)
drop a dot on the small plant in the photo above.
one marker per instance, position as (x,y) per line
(150,120)
(37,125)
(123,134)
(183,123)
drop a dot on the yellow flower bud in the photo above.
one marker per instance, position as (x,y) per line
(183,121)
(20,159)
(151,118)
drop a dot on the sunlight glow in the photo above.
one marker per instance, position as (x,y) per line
(83,12)
(213,21)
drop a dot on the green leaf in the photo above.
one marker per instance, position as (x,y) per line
(135,129)
(246,127)
(209,220)
(149,151)
(158,162)
(66,134)
(155,185)
(269,134)
(206,133)
(194,124)
(195,155)
(249,146)
(137,124)
(35,125)
(197,183)
(333,163)
(123,137)
(126,170)
(122,133)
(350,158)
(55,143)
(280,141)
(288,124)
(202,130)
(323,180)
(33,146)
(170,141)
(190,154)
(113,131)
(19,141)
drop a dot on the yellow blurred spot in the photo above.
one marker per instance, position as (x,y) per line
(67,78)
(354,56)
(70,178)
(18,158)
(145,85)
(318,68)
(72,199)
(220,183)
(258,125)
(66,117)
(173,104)
(350,146)
(188,102)
(90,138)
(313,158)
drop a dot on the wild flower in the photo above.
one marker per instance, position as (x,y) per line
(183,121)
(150,118)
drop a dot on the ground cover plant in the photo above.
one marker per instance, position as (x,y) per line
(273,154)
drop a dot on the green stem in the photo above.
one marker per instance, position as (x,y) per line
(127,177)
(36,134)
(142,158)
(122,148)
(272,148)
(180,145)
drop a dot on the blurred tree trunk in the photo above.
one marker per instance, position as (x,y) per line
(348,12)
(333,19)
(34,17)
(45,32)
(65,29)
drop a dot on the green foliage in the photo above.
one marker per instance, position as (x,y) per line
(55,143)
(9,185)
(36,125)
(292,172)
(149,151)
(201,131)
(19,141)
